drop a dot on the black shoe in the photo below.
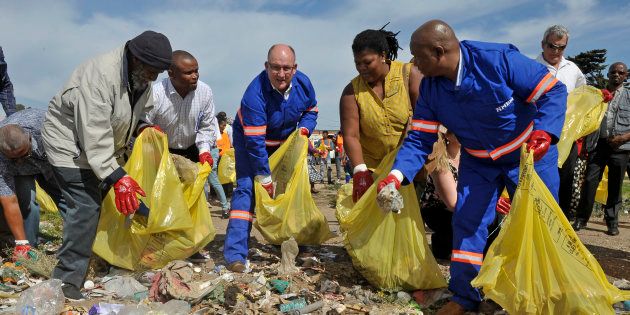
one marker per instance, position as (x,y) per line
(198,258)
(225,215)
(71,292)
(612,229)
(578,225)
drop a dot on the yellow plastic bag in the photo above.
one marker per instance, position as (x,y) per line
(178,224)
(601,195)
(292,213)
(43,200)
(585,111)
(227,167)
(537,264)
(390,250)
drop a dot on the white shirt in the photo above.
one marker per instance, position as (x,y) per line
(567,72)
(186,121)
(228,129)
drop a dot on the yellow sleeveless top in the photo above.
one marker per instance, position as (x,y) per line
(381,123)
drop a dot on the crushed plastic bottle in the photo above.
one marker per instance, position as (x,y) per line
(43,298)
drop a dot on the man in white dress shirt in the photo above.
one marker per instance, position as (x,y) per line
(184,110)
(553,44)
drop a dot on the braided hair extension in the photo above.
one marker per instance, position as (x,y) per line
(379,41)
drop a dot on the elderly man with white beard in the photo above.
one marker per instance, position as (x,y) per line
(86,131)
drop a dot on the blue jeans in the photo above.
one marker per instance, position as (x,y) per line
(213,180)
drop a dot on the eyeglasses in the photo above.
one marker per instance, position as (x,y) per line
(556,47)
(277,68)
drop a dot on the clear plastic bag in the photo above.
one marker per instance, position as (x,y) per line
(43,298)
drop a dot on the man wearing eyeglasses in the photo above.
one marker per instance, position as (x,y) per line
(278,101)
(553,44)
(22,161)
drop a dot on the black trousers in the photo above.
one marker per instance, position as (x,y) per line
(616,161)
(566,183)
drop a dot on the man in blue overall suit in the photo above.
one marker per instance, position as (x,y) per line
(494,99)
(278,100)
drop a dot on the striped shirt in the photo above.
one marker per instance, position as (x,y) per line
(186,121)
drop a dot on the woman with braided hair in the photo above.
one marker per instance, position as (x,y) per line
(377,104)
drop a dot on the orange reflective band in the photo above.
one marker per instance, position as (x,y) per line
(506,148)
(313,109)
(255,130)
(241,215)
(467,257)
(547,82)
(425,125)
(273,143)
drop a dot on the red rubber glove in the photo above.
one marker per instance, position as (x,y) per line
(304,131)
(21,252)
(361,181)
(156,127)
(504,205)
(389,179)
(607,95)
(126,200)
(269,188)
(205,157)
(539,141)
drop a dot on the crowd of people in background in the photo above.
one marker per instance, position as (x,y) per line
(454,116)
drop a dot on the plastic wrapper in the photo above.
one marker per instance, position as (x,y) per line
(537,264)
(292,213)
(585,111)
(601,195)
(389,249)
(227,167)
(178,224)
(43,298)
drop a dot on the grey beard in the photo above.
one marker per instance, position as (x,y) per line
(138,82)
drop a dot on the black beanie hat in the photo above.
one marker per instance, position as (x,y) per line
(153,49)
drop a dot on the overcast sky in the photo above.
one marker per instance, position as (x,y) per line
(44,41)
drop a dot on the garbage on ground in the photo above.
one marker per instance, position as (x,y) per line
(43,298)
(103,308)
(290,250)
(125,288)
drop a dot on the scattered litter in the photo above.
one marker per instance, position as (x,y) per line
(88,285)
(43,298)
(622,284)
(403,297)
(279,285)
(293,305)
(308,308)
(125,287)
(328,286)
(103,308)
(290,250)
(390,199)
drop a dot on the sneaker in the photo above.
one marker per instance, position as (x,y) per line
(237,267)
(198,258)
(71,292)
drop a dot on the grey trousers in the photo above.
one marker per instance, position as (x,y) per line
(80,189)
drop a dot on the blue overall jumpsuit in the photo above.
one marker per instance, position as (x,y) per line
(264,120)
(500,96)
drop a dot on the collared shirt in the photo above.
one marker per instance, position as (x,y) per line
(458,80)
(7,99)
(186,121)
(31,120)
(286,93)
(567,72)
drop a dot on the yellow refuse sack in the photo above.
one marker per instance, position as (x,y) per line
(537,264)
(601,195)
(178,224)
(227,167)
(292,213)
(390,250)
(585,111)
(43,200)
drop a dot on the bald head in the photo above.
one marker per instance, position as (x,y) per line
(179,55)
(435,49)
(435,33)
(14,141)
(280,50)
(618,64)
